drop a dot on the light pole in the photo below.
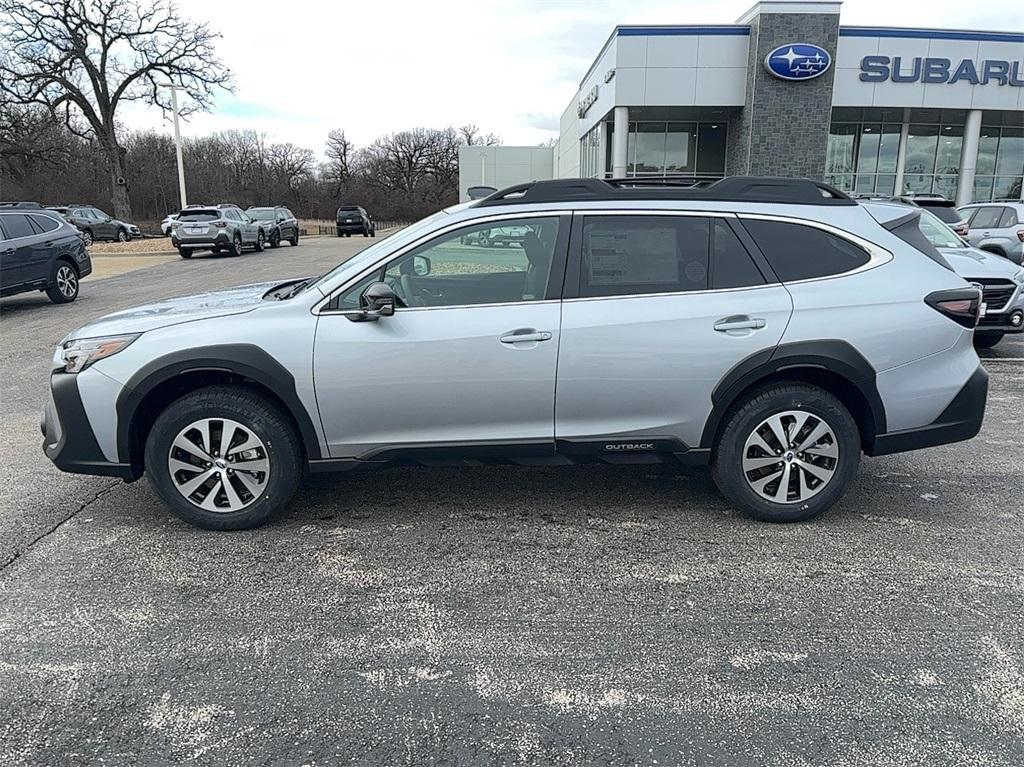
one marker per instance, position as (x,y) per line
(177,140)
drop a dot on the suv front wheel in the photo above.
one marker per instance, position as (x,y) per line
(223,458)
(787,453)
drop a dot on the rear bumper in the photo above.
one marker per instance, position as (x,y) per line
(347,227)
(960,420)
(219,241)
(68,438)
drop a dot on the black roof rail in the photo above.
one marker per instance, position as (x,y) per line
(799,191)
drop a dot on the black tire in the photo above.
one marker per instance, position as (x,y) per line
(373,232)
(62,287)
(341,233)
(987,340)
(123,235)
(87,236)
(260,240)
(185,252)
(236,246)
(743,420)
(283,450)
(275,238)
(366,231)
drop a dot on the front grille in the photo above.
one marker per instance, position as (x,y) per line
(997,292)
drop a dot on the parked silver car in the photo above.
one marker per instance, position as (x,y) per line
(217,228)
(1002,281)
(997,227)
(772,328)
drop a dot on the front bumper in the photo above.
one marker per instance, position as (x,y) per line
(960,420)
(68,439)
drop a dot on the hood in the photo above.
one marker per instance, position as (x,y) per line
(218,303)
(971,262)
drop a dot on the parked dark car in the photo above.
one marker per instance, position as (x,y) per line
(278,222)
(352,219)
(97,225)
(40,251)
(943,208)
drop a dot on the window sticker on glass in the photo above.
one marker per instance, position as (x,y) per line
(638,257)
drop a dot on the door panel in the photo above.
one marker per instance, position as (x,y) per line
(440,375)
(646,365)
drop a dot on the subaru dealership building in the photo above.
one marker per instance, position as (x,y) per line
(788,91)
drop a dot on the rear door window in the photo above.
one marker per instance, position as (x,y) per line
(987,218)
(637,255)
(798,252)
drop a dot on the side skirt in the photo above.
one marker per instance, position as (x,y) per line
(562,452)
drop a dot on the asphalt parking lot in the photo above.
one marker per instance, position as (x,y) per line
(504,615)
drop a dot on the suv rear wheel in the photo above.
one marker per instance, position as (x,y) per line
(236,246)
(787,453)
(223,458)
(294,239)
(63,285)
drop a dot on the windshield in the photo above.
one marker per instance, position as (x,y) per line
(382,245)
(348,209)
(262,214)
(938,234)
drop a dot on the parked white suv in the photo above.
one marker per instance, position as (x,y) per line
(772,328)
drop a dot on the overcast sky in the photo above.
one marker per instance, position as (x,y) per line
(510,66)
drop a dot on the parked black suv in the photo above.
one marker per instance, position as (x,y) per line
(39,251)
(97,225)
(279,224)
(352,219)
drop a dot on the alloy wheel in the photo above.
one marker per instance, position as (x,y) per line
(790,457)
(219,465)
(67,281)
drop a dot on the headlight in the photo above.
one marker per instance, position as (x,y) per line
(79,354)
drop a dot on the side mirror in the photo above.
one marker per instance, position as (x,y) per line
(420,266)
(378,300)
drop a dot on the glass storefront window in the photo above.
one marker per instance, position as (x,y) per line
(862,157)
(1010,158)
(656,148)
(922,141)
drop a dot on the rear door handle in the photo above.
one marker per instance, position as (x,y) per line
(739,323)
(525,335)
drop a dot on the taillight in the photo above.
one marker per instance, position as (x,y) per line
(1020,235)
(221,224)
(962,305)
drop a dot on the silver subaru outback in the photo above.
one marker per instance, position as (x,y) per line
(772,328)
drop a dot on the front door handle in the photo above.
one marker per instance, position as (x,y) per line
(525,335)
(739,323)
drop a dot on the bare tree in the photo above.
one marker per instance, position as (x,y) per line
(340,152)
(81,59)
(470,135)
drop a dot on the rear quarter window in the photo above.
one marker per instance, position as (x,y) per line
(45,223)
(945,214)
(1009,218)
(799,252)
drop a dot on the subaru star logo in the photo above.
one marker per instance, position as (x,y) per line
(798,61)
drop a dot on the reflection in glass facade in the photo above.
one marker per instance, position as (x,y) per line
(665,148)
(590,152)
(1000,162)
(863,148)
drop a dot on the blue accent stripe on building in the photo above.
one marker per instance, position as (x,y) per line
(677,31)
(932,34)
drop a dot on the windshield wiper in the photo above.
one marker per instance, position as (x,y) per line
(294,289)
